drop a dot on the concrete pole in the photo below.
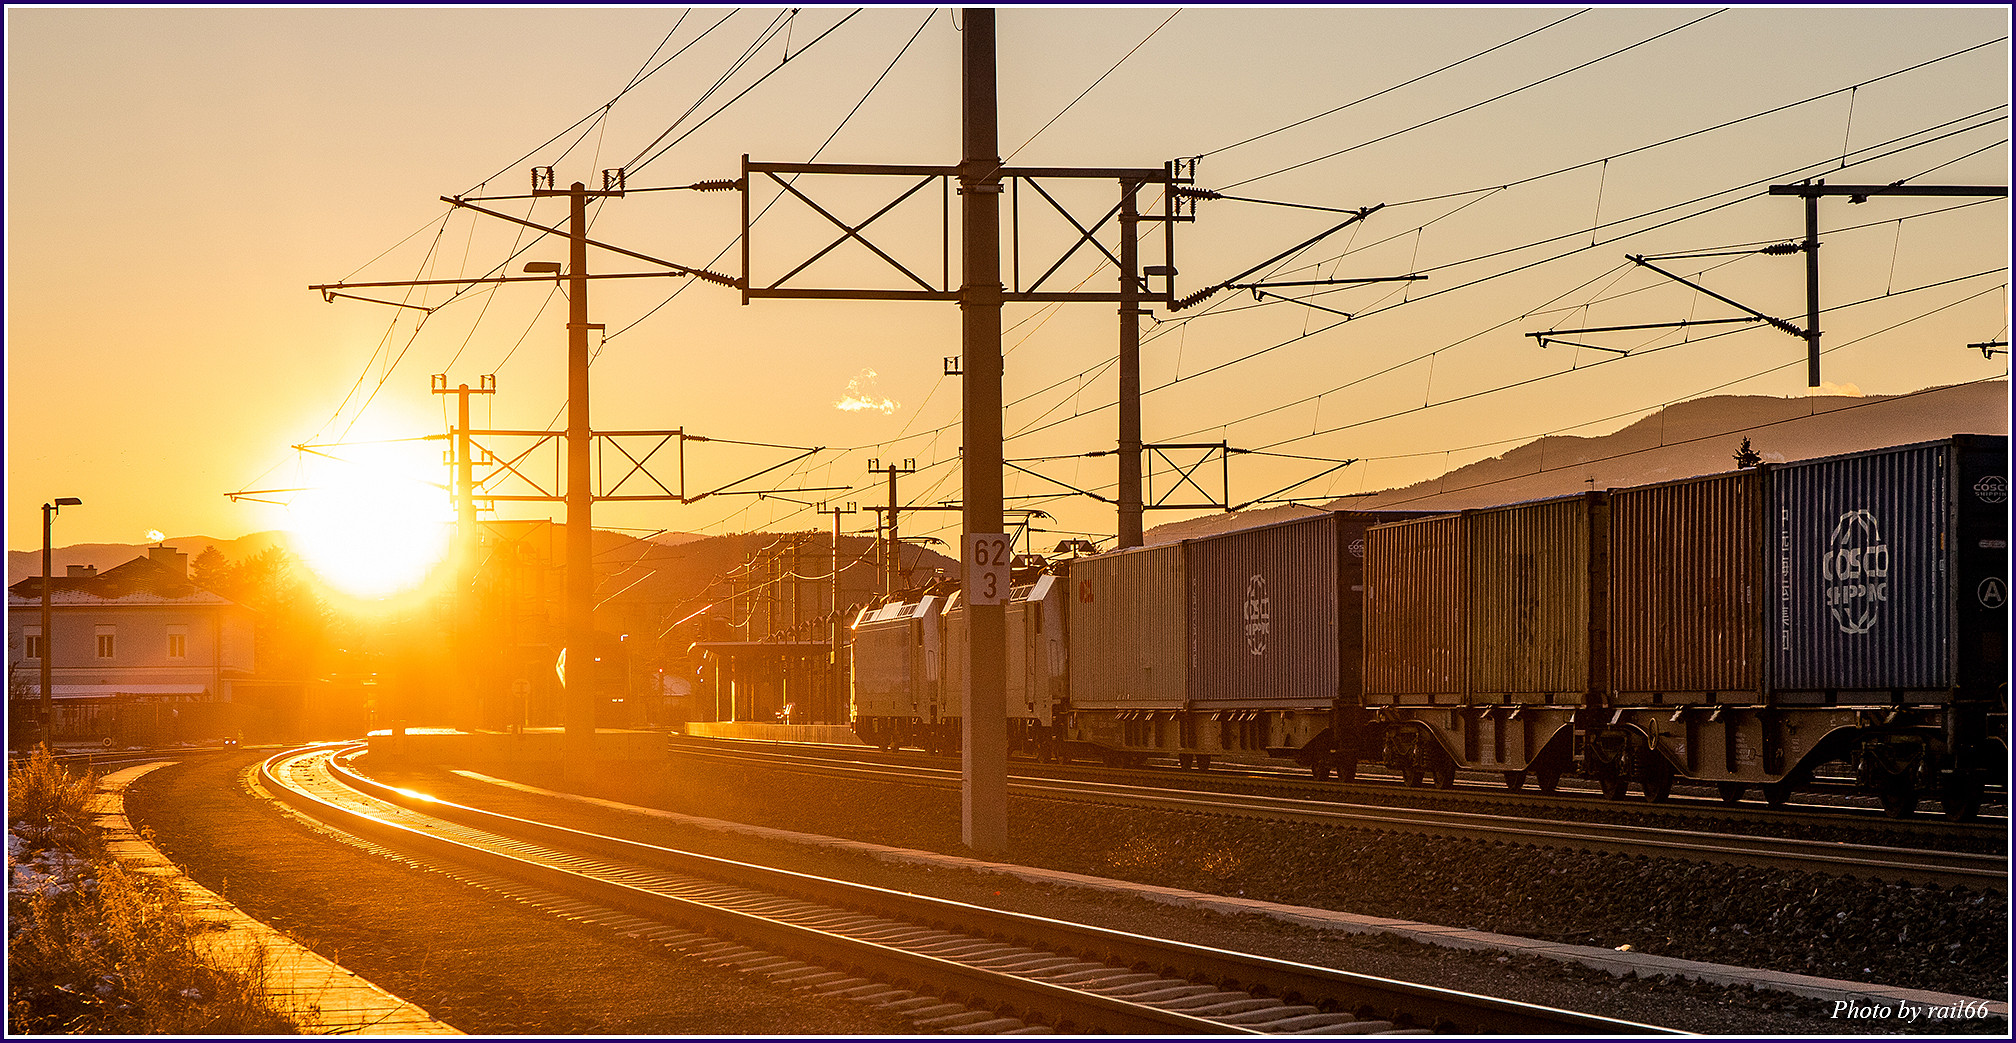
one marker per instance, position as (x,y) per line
(984,749)
(1813,289)
(1130,529)
(578,699)
(465,552)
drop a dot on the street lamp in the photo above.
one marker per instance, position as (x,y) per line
(49,512)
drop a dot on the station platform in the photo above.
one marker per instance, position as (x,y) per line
(764,732)
(324,997)
(536,745)
(529,746)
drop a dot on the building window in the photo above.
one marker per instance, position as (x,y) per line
(105,642)
(178,646)
(33,649)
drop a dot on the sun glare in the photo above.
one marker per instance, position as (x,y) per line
(374,523)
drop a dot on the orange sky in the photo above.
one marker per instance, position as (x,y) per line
(178,178)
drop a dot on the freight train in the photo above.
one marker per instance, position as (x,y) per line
(1738,629)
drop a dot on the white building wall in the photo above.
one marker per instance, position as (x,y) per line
(219,641)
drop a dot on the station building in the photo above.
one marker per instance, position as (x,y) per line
(142,654)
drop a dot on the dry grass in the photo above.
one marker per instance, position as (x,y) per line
(96,948)
(49,807)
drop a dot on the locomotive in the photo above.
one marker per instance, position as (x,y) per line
(1737,629)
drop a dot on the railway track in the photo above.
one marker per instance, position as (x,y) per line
(955,967)
(82,761)
(1842,811)
(1981,870)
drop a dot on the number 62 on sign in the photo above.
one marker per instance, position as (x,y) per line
(986,560)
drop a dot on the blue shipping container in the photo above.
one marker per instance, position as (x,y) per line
(1863,555)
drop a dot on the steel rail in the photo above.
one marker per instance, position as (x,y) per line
(1883,862)
(1376,782)
(1178,959)
(1417,1004)
(581,878)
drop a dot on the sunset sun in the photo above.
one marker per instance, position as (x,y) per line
(373,524)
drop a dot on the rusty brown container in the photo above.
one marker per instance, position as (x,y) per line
(1414,652)
(1532,581)
(1686,591)
(1129,630)
(1264,616)
(1351,529)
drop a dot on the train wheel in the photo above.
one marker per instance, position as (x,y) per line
(1614,784)
(1548,779)
(1777,793)
(1182,760)
(1445,773)
(1410,775)
(1730,792)
(1515,780)
(1899,796)
(1655,777)
(1320,769)
(1961,798)
(1347,769)
(1203,762)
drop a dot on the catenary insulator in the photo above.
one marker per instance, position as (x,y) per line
(1196,298)
(729,185)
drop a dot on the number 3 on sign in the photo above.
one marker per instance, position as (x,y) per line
(987,556)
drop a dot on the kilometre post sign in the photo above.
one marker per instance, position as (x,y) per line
(987,579)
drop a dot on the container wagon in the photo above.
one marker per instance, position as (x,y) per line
(1241,645)
(1848,608)
(1481,649)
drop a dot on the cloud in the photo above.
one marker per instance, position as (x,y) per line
(861,395)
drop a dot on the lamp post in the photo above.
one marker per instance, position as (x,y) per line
(49,512)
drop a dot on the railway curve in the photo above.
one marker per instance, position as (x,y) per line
(1105,993)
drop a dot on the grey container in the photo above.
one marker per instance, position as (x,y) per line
(1414,647)
(1264,617)
(1533,598)
(1130,629)
(1868,579)
(1686,591)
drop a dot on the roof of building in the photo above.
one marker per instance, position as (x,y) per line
(142,581)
